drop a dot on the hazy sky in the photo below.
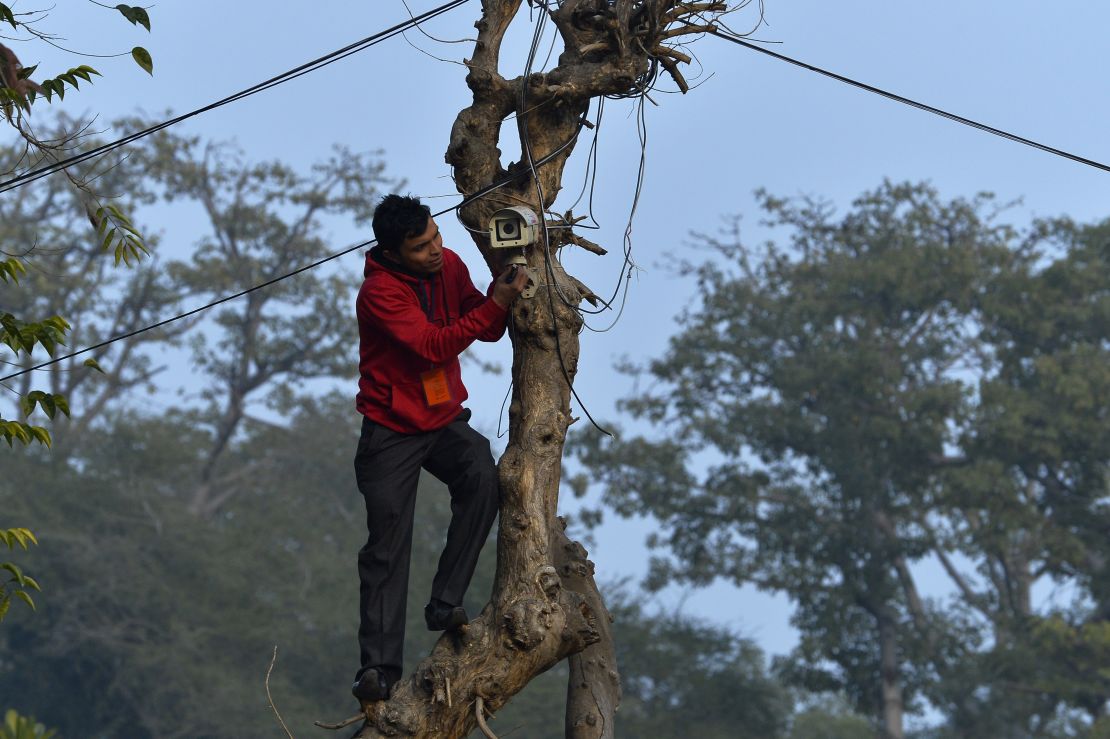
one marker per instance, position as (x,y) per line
(1033,68)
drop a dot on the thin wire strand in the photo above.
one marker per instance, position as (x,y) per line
(629,264)
(526,146)
(913,103)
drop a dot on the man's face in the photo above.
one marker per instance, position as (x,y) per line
(423,253)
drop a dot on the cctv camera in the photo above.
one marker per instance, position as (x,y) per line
(511,227)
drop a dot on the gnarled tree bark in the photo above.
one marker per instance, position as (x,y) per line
(546,606)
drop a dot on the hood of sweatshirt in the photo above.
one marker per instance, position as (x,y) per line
(377,261)
(430,290)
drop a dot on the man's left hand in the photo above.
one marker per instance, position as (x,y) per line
(504,293)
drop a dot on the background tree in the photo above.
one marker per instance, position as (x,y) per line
(847,386)
(1026,501)
(682,677)
(265,222)
(69,275)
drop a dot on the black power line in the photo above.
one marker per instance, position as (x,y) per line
(219,301)
(912,103)
(358,46)
(312,66)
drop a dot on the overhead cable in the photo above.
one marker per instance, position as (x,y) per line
(912,103)
(312,66)
(219,301)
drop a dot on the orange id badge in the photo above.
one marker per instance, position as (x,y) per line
(436,391)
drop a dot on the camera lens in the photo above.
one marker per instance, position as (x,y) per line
(508,229)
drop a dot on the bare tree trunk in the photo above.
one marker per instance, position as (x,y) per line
(893,708)
(545,605)
(593,687)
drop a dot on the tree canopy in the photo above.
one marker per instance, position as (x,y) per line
(909,382)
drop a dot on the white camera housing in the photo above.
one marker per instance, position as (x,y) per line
(513,227)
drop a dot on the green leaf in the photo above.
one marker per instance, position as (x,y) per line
(57,323)
(23,432)
(32,583)
(13,568)
(135,15)
(93,364)
(127,225)
(27,340)
(7,15)
(19,536)
(12,269)
(98,220)
(61,404)
(41,435)
(14,96)
(143,59)
(5,604)
(26,72)
(26,598)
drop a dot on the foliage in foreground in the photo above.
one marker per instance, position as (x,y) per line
(16,726)
(112,230)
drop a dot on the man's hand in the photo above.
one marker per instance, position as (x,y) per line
(504,293)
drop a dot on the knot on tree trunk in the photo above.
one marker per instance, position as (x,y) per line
(527,623)
(548,581)
(581,628)
(547,436)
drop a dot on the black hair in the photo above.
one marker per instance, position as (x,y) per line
(399,217)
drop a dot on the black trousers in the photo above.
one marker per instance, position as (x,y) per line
(387,469)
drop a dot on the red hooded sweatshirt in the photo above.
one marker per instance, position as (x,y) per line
(412,329)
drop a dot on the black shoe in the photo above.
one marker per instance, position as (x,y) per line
(371,687)
(442,616)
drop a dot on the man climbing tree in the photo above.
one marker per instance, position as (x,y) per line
(417,310)
(545,606)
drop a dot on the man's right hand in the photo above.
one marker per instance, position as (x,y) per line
(504,293)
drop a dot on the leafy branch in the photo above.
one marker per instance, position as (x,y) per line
(22,336)
(119,234)
(18,583)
